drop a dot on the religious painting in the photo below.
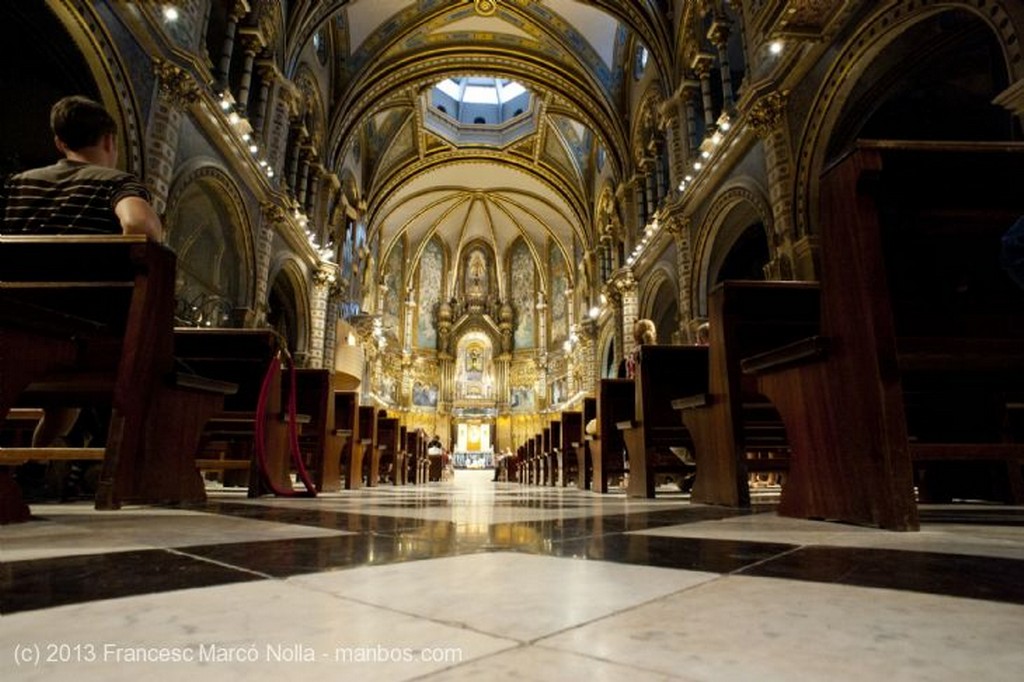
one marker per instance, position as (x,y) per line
(430,269)
(522,276)
(522,399)
(424,395)
(392,280)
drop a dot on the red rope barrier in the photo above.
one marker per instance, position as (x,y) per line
(293,434)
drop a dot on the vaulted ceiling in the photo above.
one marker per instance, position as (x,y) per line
(421,175)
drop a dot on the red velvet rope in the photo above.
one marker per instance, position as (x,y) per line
(293,433)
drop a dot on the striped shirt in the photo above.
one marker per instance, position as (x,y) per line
(68,197)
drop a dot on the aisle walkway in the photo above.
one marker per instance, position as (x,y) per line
(476,580)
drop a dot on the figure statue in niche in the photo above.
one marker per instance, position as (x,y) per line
(475,363)
(477,284)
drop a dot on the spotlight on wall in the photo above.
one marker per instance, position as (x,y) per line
(595,312)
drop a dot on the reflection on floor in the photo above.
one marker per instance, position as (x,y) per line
(472,579)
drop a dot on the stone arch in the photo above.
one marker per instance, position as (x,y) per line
(873,36)
(608,355)
(207,224)
(659,302)
(724,223)
(288,305)
(90,49)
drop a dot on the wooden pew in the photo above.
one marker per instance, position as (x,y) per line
(616,403)
(319,441)
(735,429)
(88,321)
(925,334)
(570,438)
(406,465)
(655,433)
(347,460)
(368,440)
(552,454)
(584,456)
(541,458)
(389,448)
(416,451)
(242,357)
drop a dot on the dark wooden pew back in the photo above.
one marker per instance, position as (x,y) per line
(348,460)
(88,321)
(368,439)
(242,357)
(735,424)
(388,445)
(662,374)
(616,403)
(571,438)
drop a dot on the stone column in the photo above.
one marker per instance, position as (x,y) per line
(542,356)
(204,28)
(267,74)
(236,11)
(641,206)
(718,34)
(303,187)
(312,191)
(176,91)
(701,65)
(252,43)
(690,89)
(294,153)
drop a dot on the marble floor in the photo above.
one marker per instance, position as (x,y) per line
(471,579)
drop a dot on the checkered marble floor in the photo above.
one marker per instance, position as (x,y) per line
(471,579)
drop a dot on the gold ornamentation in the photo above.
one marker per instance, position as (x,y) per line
(486,8)
(176,85)
(766,114)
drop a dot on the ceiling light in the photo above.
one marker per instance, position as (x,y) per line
(171,13)
(775,47)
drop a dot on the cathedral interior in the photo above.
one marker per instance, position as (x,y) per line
(461,208)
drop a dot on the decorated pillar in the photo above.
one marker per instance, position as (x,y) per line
(322,281)
(627,289)
(271,215)
(680,228)
(790,258)
(176,91)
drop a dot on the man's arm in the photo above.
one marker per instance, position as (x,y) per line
(138,217)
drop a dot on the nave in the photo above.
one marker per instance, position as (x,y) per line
(471,579)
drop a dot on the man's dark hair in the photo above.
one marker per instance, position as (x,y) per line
(80,122)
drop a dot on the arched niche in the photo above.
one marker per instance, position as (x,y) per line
(734,241)
(935,82)
(475,378)
(208,228)
(662,306)
(288,307)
